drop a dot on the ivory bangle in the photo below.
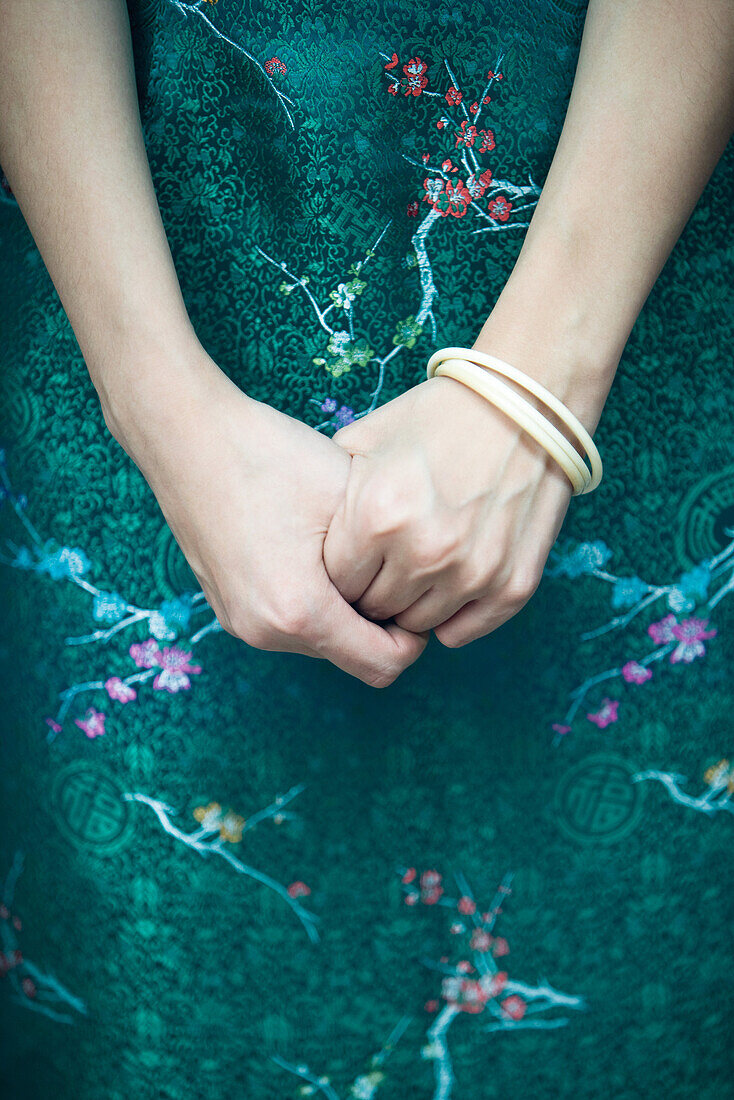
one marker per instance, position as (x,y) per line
(524,414)
(534,387)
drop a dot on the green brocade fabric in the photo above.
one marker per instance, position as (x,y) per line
(242,874)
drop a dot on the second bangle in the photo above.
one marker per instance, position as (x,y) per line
(524,414)
(534,387)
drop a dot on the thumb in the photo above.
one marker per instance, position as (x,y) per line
(373,653)
(351,563)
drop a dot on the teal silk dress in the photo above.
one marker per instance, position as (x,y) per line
(227,873)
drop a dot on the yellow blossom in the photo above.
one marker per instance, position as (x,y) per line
(231,827)
(206,813)
(718,774)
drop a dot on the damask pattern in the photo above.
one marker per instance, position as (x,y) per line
(233,872)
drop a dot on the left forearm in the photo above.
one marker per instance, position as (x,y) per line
(651,111)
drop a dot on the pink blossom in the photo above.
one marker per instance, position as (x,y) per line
(501,947)
(54,725)
(635,673)
(474,995)
(480,940)
(514,1007)
(145,654)
(118,689)
(558,728)
(431,889)
(176,663)
(497,982)
(429,880)
(298,889)
(606,714)
(466,905)
(690,634)
(92,723)
(662,631)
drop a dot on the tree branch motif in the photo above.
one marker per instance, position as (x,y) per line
(32,987)
(364,1087)
(681,640)
(475,985)
(197,9)
(448,195)
(168,666)
(218,831)
(719,778)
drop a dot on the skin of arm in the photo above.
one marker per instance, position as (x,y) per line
(247,491)
(450,510)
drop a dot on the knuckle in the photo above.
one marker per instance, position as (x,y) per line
(386,508)
(476,576)
(434,548)
(291,618)
(245,627)
(522,584)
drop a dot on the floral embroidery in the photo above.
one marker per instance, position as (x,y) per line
(92,723)
(173,660)
(606,715)
(118,689)
(275,65)
(499,208)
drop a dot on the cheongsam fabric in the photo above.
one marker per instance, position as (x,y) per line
(245,874)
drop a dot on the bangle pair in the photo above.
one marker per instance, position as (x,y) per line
(469,366)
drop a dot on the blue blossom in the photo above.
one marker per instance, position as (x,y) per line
(177,611)
(585,558)
(108,607)
(328,405)
(344,415)
(68,562)
(24,559)
(695,583)
(173,617)
(627,591)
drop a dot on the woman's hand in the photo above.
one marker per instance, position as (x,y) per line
(449,514)
(249,493)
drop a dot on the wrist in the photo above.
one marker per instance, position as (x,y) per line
(554,338)
(547,324)
(148,393)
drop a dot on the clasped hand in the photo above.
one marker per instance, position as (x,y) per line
(433,512)
(449,514)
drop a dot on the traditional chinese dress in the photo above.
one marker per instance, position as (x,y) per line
(233,873)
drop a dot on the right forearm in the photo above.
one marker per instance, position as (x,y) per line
(72,149)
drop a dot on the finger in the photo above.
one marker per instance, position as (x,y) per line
(474,620)
(394,588)
(373,653)
(351,562)
(435,606)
